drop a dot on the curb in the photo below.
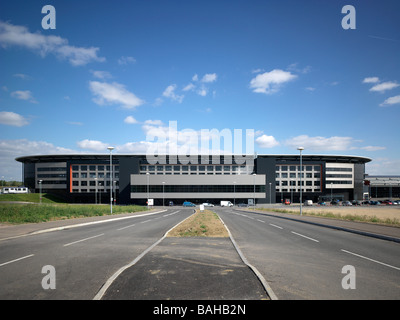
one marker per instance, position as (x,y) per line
(264,282)
(364,233)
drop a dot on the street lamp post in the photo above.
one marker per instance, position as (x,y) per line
(270,193)
(301,173)
(234,193)
(40,191)
(254,190)
(148,175)
(111,178)
(163,184)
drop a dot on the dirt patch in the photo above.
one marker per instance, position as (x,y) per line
(202,224)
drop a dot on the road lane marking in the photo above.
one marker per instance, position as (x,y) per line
(108,283)
(360,256)
(15,260)
(68,244)
(146,221)
(274,225)
(260,220)
(132,225)
(301,235)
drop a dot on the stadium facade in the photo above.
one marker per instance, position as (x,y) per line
(204,178)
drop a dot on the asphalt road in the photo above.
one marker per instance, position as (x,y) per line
(83,258)
(304,261)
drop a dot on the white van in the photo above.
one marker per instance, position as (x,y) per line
(308,203)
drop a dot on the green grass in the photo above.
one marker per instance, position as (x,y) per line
(31,197)
(33,213)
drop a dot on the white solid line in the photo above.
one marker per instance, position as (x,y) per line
(274,225)
(108,283)
(264,282)
(68,244)
(301,235)
(132,225)
(3,264)
(357,255)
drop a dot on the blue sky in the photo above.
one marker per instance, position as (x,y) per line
(115,72)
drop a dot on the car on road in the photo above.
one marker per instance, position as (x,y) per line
(188,204)
(207,204)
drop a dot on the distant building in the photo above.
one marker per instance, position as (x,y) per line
(203,178)
(383,187)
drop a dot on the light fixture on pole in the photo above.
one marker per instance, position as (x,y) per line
(301,173)
(111,178)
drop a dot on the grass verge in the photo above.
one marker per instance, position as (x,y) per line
(11,213)
(202,224)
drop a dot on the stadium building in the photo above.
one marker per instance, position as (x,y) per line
(88,178)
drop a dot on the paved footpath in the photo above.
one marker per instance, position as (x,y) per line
(195,268)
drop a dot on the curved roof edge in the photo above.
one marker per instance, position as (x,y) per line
(83,156)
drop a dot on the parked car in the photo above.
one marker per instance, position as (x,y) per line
(207,204)
(171,203)
(387,202)
(374,203)
(335,202)
(287,201)
(396,203)
(346,203)
(356,203)
(322,203)
(188,204)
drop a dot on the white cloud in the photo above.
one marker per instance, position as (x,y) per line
(154,122)
(372,148)
(101,74)
(169,92)
(382,87)
(391,101)
(321,143)
(24,95)
(383,166)
(114,93)
(202,91)
(93,145)
(195,77)
(270,82)
(371,80)
(12,35)
(265,141)
(130,120)
(12,119)
(126,60)
(209,77)
(189,87)
(11,149)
